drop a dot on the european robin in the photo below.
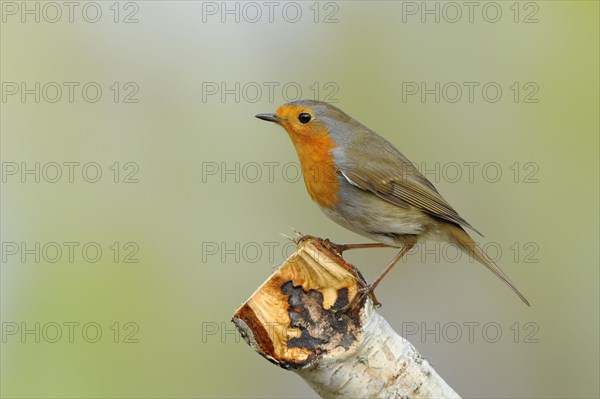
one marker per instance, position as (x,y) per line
(362,182)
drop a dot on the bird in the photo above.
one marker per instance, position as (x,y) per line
(363,183)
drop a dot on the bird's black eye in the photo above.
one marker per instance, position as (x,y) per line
(304,117)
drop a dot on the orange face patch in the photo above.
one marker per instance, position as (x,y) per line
(313,146)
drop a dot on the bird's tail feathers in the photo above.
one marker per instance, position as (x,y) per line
(466,242)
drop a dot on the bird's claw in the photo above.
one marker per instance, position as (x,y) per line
(370,291)
(361,293)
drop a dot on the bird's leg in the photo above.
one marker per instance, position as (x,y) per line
(368,289)
(339,248)
(345,247)
(402,252)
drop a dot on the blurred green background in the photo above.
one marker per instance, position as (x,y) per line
(204,189)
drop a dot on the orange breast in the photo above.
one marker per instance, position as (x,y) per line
(318,167)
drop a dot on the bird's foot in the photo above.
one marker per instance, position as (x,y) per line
(367,290)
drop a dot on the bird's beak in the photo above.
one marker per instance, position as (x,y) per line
(270,118)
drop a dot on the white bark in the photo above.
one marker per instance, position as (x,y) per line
(382,365)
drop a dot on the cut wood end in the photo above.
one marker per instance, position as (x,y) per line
(293,318)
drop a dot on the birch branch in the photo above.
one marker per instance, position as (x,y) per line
(295,321)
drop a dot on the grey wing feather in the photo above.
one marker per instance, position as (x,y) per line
(393,178)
